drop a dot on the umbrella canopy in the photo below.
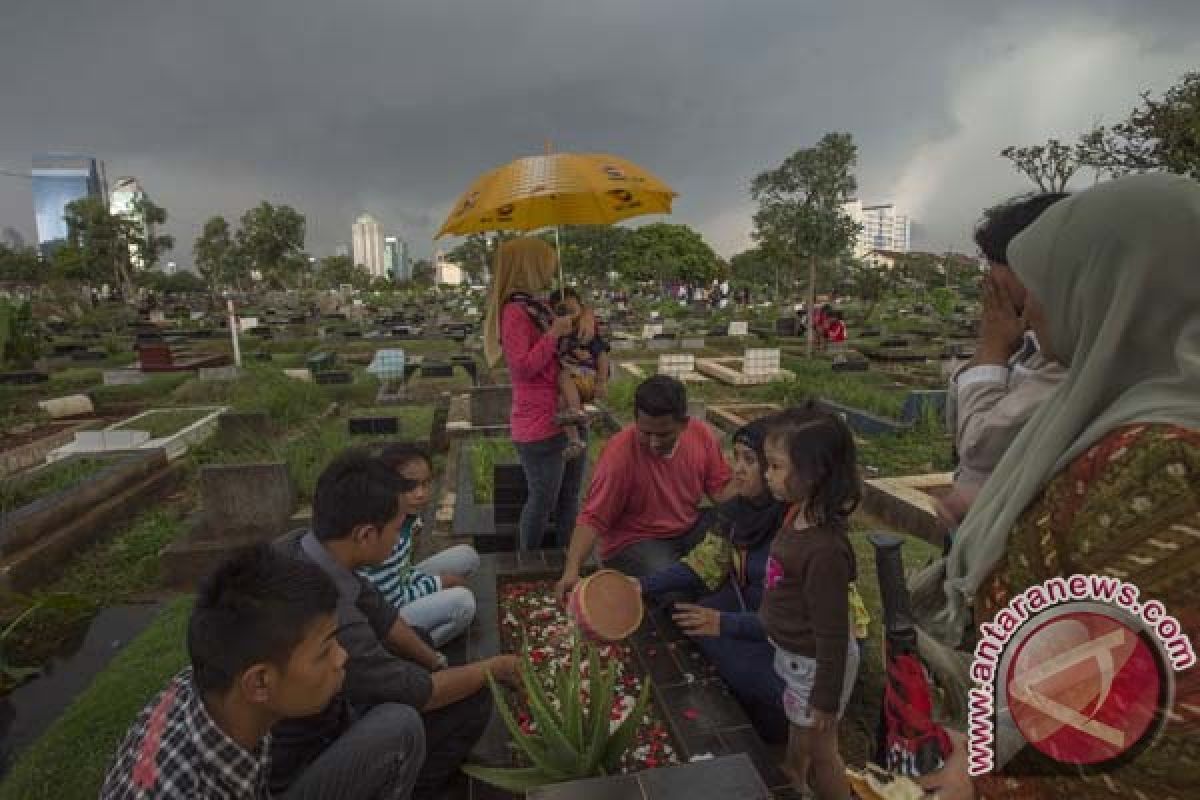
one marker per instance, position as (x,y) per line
(558,189)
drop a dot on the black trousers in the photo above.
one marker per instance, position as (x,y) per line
(450,733)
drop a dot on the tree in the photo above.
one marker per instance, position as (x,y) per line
(217,256)
(476,253)
(870,284)
(754,268)
(592,251)
(1050,166)
(662,251)
(271,240)
(799,216)
(180,282)
(19,344)
(422,272)
(334,271)
(111,247)
(1159,135)
(20,265)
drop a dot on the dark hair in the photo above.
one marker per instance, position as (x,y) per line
(399,455)
(558,295)
(1001,223)
(659,396)
(253,609)
(355,489)
(754,436)
(821,450)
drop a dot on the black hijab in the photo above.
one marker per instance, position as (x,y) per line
(749,522)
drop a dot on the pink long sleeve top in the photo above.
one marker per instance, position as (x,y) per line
(533,367)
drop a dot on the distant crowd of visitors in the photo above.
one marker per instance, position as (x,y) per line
(316,667)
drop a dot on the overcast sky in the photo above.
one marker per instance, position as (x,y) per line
(393,106)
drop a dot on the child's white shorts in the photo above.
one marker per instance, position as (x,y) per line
(799,673)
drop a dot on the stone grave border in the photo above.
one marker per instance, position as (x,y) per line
(124,435)
(905,503)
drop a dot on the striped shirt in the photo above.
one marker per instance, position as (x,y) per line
(396,578)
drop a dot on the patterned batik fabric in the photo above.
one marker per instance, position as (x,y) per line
(1128,507)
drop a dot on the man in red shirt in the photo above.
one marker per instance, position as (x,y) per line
(641,506)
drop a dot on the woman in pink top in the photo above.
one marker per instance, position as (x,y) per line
(526,333)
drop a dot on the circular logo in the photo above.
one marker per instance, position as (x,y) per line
(1086,688)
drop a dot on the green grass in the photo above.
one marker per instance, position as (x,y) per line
(153,390)
(69,761)
(486,453)
(416,422)
(816,378)
(164,423)
(287,401)
(17,493)
(120,570)
(925,448)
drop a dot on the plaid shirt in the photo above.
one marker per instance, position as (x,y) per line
(175,750)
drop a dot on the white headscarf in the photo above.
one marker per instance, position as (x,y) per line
(1117,270)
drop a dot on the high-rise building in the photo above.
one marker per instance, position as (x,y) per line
(342,250)
(368,245)
(60,179)
(883,228)
(123,202)
(12,239)
(395,252)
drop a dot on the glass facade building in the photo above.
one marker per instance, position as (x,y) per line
(59,179)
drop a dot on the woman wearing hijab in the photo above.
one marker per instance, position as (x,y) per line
(726,571)
(526,332)
(1102,479)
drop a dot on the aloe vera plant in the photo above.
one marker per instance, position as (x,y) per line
(571,741)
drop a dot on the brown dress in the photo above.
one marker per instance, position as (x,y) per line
(1128,507)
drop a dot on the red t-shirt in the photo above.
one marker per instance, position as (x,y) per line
(533,368)
(835,331)
(636,495)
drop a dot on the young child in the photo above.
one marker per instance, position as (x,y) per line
(431,595)
(584,373)
(806,609)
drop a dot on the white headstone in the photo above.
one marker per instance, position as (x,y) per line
(676,364)
(157,317)
(761,361)
(739,328)
(99,441)
(246,323)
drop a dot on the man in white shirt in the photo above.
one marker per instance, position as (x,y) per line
(995,393)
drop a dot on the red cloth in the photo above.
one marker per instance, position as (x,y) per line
(533,369)
(636,495)
(835,330)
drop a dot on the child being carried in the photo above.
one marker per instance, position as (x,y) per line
(583,376)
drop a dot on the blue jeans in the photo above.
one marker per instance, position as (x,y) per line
(553,486)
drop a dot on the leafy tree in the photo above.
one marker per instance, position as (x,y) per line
(870,284)
(334,271)
(21,265)
(111,247)
(476,252)
(422,272)
(19,345)
(662,251)
(592,251)
(271,240)
(1160,134)
(1050,166)
(217,256)
(800,215)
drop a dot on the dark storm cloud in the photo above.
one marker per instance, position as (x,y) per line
(393,107)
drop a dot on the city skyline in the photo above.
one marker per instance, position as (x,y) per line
(706,94)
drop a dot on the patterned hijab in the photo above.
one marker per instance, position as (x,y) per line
(526,265)
(1117,270)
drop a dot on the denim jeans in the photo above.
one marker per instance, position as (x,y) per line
(553,487)
(447,613)
(650,555)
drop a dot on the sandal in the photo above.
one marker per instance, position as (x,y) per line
(575,448)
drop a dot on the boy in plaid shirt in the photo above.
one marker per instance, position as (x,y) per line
(262,644)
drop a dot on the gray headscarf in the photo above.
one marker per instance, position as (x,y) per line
(1117,269)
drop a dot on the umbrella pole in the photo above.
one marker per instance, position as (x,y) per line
(558,248)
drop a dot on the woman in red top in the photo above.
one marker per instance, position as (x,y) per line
(526,333)
(835,328)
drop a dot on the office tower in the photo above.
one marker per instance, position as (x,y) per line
(58,180)
(883,228)
(368,245)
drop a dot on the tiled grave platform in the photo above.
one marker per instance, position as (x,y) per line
(705,721)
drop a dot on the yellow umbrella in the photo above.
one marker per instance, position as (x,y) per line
(558,189)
